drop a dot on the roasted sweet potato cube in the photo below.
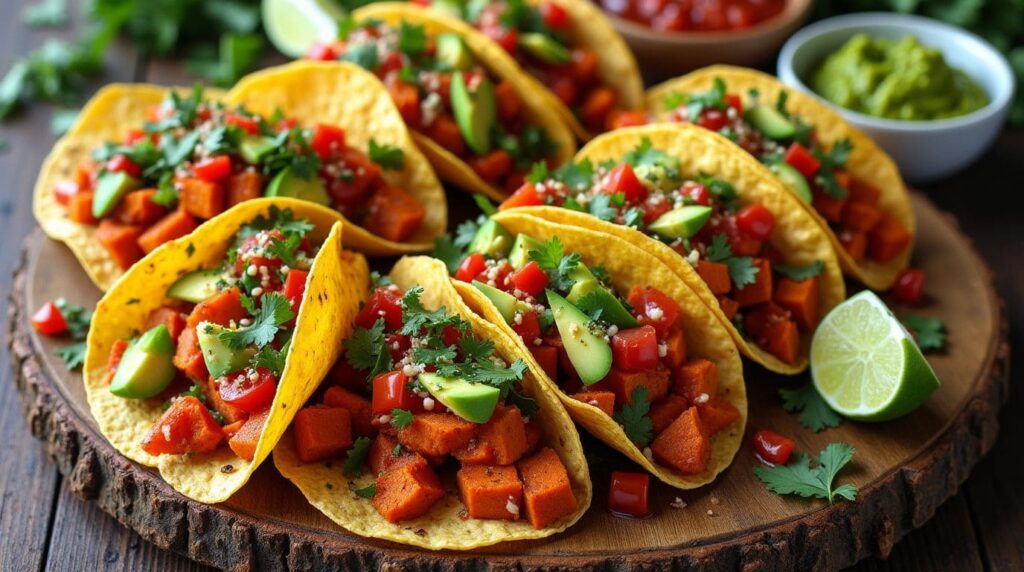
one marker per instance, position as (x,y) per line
(603,400)
(322,432)
(546,488)
(407,490)
(683,445)
(505,432)
(490,492)
(437,433)
(695,378)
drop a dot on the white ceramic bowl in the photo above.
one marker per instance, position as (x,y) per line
(924,150)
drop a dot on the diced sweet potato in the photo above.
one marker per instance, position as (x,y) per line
(121,241)
(547,357)
(244,442)
(407,490)
(189,358)
(683,445)
(505,432)
(675,345)
(664,412)
(229,412)
(829,208)
(244,186)
(222,308)
(603,400)
(855,244)
(623,383)
(322,432)
(760,290)
(757,320)
(490,492)
(782,340)
(729,307)
(533,436)
(476,453)
(202,199)
(168,316)
(186,427)
(137,207)
(716,415)
(802,300)
(359,407)
(80,208)
(695,378)
(715,275)
(861,192)
(861,217)
(175,224)
(437,433)
(889,239)
(546,488)
(393,214)
(382,453)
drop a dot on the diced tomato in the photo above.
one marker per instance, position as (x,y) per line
(213,169)
(734,101)
(391,391)
(64,190)
(471,267)
(321,53)
(397,344)
(564,88)
(407,99)
(655,308)
(635,349)
(697,192)
(526,196)
(492,166)
(801,159)
(909,286)
(445,132)
(251,395)
(622,179)
(187,427)
(528,327)
(655,208)
(555,17)
(247,124)
(383,303)
(250,246)
(509,102)
(627,495)
(134,136)
(530,278)
(713,119)
(364,175)
(756,221)
(119,163)
(48,320)
(327,141)
(583,66)
(507,38)
(597,106)
(625,118)
(295,287)
(772,448)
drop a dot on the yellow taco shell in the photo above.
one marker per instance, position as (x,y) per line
(629,265)
(331,300)
(536,104)
(442,528)
(867,162)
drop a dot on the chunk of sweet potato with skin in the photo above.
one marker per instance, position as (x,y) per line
(547,490)
(505,432)
(437,433)
(321,432)
(489,492)
(382,453)
(603,400)
(855,244)
(683,446)
(244,186)
(244,442)
(888,239)
(120,240)
(407,490)
(189,358)
(664,412)
(696,377)
(175,224)
(359,407)
(202,199)
(715,275)
(782,339)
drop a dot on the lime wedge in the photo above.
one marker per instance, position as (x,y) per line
(865,364)
(295,25)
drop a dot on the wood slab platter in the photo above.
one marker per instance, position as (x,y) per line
(904,469)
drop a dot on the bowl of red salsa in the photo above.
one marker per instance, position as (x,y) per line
(671,37)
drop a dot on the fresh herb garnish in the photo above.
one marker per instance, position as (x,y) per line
(446,251)
(798,478)
(389,157)
(355,458)
(484,204)
(833,159)
(713,98)
(285,249)
(367,492)
(412,38)
(800,273)
(400,418)
(634,420)
(271,359)
(930,333)
(72,354)
(577,176)
(77,317)
(551,258)
(275,310)
(741,268)
(366,350)
(815,414)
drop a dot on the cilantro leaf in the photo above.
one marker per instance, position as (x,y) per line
(446,251)
(634,420)
(77,318)
(673,100)
(930,333)
(366,350)
(578,176)
(600,206)
(742,271)
(355,458)
(831,160)
(645,156)
(434,356)
(272,359)
(389,157)
(367,492)
(166,193)
(551,257)
(719,250)
(634,218)
(484,204)
(379,280)
(45,14)
(465,232)
(362,55)
(285,249)
(416,318)
(713,98)
(799,478)
(800,273)
(412,38)
(538,173)
(815,414)
(72,354)
(527,405)
(473,348)
(400,418)
(275,310)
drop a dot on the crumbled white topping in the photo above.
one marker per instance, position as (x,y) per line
(251,270)
(165,430)
(245,322)
(511,506)
(655,313)
(257,291)
(702,398)
(613,329)
(518,318)
(693,258)
(428,403)
(384,419)
(678,503)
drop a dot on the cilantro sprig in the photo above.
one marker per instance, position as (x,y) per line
(800,273)
(355,458)
(930,333)
(815,414)
(799,478)
(275,310)
(634,418)
(78,319)
(741,268)
(366,350)
(553,260)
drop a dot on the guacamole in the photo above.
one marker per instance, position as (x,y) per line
(897,80)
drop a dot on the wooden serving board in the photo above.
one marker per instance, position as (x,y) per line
(904,469)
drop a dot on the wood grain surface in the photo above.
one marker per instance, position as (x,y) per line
(43,525)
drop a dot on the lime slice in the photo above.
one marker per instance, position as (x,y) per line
(295,25)
(865,364)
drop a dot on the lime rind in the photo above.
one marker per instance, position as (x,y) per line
(293,26)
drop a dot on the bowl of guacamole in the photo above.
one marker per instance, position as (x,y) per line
(932,95)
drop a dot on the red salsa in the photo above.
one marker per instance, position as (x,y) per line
(696,16)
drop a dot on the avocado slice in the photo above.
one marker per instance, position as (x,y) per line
(196,286)
(506,303)
(491,239)
(682,222)
(451,8)
(146,367)
(474,402)
(288,184)
(475,113)
(110,189)
(544,48)
(254,148)
(771,122)
(793,179)
(590,354)
(453,51)
(612,310)
(220,359)
(519,256)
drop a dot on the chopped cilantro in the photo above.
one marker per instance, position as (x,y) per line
(389,157)
(713,98)
(930,333)
(355,458)
(274,311)
(366,350)
(72,354)
(634,420)
(815,414)
(800,273)
(363,55)
(417,319)
(412,38)
(741,268)
(578,176)
(285,249)
(77,317)
(551,257)
(798,478)
(446,251)
(272,359)
(484,204)
(538,173)
(473,348)
(600,206)
(400,418)
(367,492)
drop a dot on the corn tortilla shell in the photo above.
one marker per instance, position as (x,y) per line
(335,283)
(442,527)
(867,162)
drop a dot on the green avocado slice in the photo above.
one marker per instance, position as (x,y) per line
(453,51)
(147,366)
(110,189)
(506,303)
(220,359)
(544,48)
(519,256)
(254,148)
(196,286)
(771,122)
(589,291)
(491,239)
(474,402)
(793,179)
(475,113)
(682,222)
(590,354)
(288,184)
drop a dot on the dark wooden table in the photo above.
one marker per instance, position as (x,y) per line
(44,526)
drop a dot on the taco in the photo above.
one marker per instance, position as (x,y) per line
(850,185)
(478,118)
(569,48)
(632,352)
(200,355)
(424,381)
(145,164)
(713,215)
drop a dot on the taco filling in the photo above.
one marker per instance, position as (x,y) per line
(196,157)
(416,388)
(444,93)
(781,139)
(770,303)
(623,353)
(214,356)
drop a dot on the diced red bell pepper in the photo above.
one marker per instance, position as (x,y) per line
(635,349)
(697,192)
(243,392)
(712,119)
(383,303)
(49,320)
(119,163)
(772,448)
(526,196)
(530,278)
(802,160)
(391,391)
(295,287)
(327,141)
(655,308)
(213,169)
(756,221)
(622,179)
(734,101)
(909,286)
(628,493)
(397,344)
(528,327)
(245,123)
(555,17)
(471,267)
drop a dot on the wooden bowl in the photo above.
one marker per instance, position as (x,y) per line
(667,54)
